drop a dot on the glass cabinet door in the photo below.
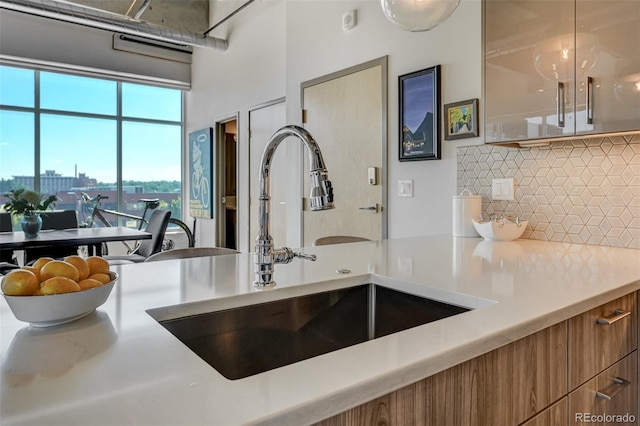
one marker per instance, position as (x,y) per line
(607,65)
(529,69)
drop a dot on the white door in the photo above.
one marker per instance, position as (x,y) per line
(346,114)
(263,123)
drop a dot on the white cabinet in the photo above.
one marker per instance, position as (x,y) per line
(560,69)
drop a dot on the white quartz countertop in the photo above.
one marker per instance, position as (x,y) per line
(118,366)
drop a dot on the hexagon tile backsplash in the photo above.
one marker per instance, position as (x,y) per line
(581,191)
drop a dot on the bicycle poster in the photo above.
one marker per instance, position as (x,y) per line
(200,173)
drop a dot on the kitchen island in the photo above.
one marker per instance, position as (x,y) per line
(119,366)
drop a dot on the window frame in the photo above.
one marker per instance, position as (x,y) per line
(38,111)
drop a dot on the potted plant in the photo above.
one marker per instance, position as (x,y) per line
(29,204)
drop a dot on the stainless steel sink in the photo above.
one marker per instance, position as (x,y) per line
(248,340)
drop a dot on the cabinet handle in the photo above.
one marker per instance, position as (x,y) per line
(612,390)
(560,109)
(590,84)
(617,316)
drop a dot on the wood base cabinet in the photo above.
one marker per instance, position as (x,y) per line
(566,374)
(609,398)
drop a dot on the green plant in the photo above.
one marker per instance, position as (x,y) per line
(26,202)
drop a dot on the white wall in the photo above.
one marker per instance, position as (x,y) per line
(276,45)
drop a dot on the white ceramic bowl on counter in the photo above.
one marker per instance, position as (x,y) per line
(500,230)
(56,309)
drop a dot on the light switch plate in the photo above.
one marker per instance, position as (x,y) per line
(503,189)
(405,188)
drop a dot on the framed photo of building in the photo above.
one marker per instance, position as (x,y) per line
(461,120)
(419,99)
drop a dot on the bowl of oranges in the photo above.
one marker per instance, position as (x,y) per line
(53,292)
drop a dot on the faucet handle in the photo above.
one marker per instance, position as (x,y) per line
(305,256)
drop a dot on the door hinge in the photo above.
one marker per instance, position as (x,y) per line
(304,116)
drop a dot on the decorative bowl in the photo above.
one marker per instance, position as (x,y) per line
(56,309)
(500,230)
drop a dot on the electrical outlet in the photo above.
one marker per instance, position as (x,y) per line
(503,189)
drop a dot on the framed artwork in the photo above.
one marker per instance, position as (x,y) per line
(419,96)
(461,120)
(201,173)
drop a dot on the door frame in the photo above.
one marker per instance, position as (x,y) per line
(219,175)
(282,100)
(382,63)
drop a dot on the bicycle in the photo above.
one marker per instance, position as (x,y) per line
(200,183)
(178,236)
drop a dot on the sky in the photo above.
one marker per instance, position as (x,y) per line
(151,151)
(417,99)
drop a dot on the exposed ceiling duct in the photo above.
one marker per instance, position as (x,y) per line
(96,18)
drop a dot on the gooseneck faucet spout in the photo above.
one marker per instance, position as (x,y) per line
(321,198)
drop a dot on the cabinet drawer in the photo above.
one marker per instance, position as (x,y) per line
(613,393)
(600,337)
(556,415)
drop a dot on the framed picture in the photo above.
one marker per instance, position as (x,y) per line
(461,120)
(200,173)
(419,96)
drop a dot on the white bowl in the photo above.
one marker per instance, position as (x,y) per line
(56,309)
(503,230)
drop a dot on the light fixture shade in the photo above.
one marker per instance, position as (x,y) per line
(554,58)
(418,15)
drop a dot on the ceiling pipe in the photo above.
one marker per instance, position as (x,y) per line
(95,18)
(142,9)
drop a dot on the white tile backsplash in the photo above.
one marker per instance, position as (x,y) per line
(580,191)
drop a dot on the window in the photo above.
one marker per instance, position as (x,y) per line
(65,134)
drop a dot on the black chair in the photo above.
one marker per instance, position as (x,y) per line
(66,219)
(7,259)
(157,226)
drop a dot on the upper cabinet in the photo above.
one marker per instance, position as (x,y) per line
(560,68)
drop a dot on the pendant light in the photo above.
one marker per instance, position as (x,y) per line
(418,15)
(555,57)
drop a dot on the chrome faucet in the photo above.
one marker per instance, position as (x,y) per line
(321,198)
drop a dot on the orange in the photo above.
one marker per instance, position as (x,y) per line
(59,268)
(59,285)
(89,283)
(80,264)
(97,265)
(103,278)
(20,282)
(38,264)
(36,271)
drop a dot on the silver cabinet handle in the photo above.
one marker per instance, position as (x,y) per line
(590,83)
(612,390)
(560,108)
(618,314)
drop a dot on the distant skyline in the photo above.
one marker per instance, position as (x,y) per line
(151,151)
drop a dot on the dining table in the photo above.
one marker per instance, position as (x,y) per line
(91,237)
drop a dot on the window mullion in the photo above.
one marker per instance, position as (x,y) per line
(119,186)
(36,134)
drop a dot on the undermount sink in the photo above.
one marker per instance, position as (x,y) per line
(248,340)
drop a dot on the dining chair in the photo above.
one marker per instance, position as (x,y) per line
(6,255)
(58,220)
(190,252)
(157,226)
(338,239)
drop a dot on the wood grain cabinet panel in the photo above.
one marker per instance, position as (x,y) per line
(556,415)
(503,387)
(612,394)
(595,345)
